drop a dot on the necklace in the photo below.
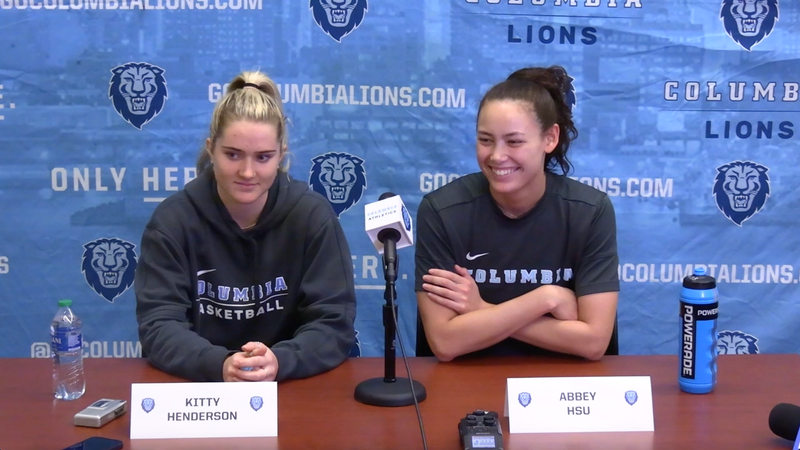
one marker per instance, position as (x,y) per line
(508,214)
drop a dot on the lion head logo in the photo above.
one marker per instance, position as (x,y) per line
(741,189)
(138,92)
(109,265)
(340,177)
(749,22)
(338,18)
(736,343)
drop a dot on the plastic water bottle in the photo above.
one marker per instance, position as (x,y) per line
(66,345)
(697,361)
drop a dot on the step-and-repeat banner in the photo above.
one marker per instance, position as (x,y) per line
(687,110)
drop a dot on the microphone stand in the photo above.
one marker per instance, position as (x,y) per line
(389,390)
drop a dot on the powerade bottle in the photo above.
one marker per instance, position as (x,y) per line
(697,360)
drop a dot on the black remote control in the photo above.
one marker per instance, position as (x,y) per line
(481,430)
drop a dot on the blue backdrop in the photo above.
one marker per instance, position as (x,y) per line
(687,115)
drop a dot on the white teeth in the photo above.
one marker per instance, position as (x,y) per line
(501,172)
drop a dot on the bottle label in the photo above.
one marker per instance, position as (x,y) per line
(690,314)
(66,340)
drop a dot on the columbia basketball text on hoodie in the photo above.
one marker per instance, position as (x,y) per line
(205,287)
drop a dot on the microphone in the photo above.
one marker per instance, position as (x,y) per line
(388,224)
(784,421)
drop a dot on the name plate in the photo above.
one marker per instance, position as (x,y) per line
(579,404)
(203,410)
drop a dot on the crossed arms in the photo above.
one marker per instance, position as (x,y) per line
(458,321)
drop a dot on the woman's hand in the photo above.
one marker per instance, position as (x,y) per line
(454,290)
(255,362)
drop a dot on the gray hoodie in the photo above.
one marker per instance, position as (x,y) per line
(204,287)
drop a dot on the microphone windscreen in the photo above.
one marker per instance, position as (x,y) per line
(784,420)
(386,195)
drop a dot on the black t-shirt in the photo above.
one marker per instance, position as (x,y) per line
(569,239)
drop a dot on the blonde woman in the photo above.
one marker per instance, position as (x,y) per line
(245,275)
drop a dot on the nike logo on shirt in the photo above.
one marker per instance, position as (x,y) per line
(472,258)
(203,272)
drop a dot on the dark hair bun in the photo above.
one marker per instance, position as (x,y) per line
(553,78)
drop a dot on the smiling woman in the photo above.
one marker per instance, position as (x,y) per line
(245,275)
(518,258)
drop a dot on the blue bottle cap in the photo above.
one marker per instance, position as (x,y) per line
(699,280)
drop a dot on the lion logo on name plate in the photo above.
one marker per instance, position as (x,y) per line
(256,402)
(148,404)
(524,399)
(631,397)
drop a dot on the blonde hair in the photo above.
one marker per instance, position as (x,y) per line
(243,101)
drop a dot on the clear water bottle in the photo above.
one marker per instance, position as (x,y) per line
(66,345)
(697,361)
